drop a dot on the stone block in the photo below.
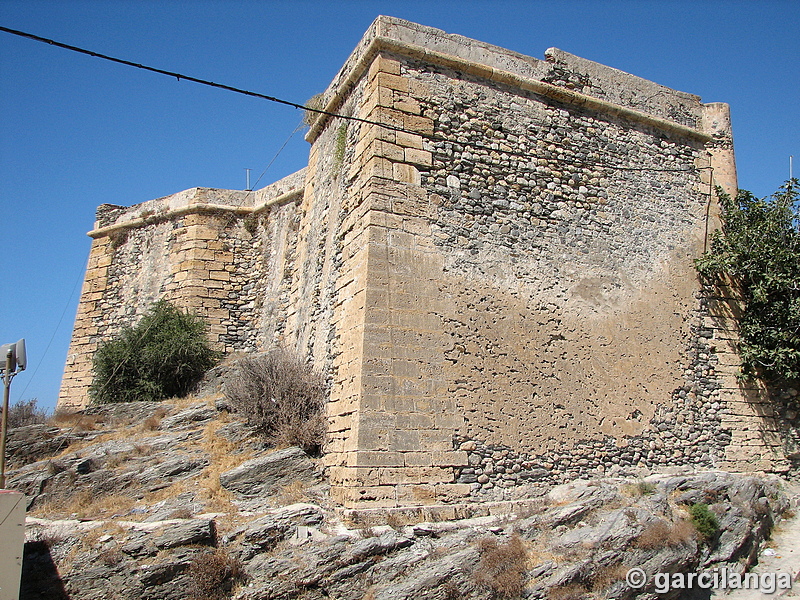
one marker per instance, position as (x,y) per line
(418,124)
(412,495)
(417,227)
(383,64)
(449,422)
(388,151)
(409,140)
(202,232)
(407,105)
(389,80)
(365,496)
(384,219)
(406,173)
(378,97)
(450,492)
(404,440)
(453,458)
(387,116)
(375,439)
(418,157)
(419,459)
(353,476)
(413,475)
(412,421)
(219,275)
(376,166)
(436,441)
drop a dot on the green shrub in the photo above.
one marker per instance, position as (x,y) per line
(704,521)
(758,248)
(163,356)
(282,396)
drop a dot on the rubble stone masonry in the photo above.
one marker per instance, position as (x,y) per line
(498,279)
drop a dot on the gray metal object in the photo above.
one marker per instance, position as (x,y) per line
(16,359)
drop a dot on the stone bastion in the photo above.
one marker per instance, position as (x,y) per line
(493,266)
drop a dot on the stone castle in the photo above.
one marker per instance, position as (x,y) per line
(494,266)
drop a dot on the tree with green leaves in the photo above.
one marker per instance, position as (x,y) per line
(758,248)
(163,356)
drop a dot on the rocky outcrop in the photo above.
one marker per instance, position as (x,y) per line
(184,501)
(266,475)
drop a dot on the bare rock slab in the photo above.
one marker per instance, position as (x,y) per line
(194,531)
(267,475)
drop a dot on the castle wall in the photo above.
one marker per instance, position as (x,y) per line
(204,250)
(498,281)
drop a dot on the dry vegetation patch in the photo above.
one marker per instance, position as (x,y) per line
(282,397)
(502,566)
(214,575)
(661,534)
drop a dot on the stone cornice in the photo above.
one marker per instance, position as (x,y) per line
(196,208)
(385,44)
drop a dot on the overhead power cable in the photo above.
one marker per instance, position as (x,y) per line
(180,76)
(432,137)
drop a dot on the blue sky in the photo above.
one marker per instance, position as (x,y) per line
(76,131)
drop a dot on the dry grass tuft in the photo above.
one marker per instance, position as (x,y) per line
(152,422)
(101,506)
(662,534)
(502,566)
(317,102)
(450,591)
(111,556)
(395,520)
(77,421)
(222,458)
(573,591)
(638,488)
(608,576)
(292,493)
(181,513)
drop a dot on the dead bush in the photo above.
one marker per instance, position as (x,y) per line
(111,556)
(661,534)
(283,397)
(25,412)
(181,513)
(502,566)
(316,102)
(214,574)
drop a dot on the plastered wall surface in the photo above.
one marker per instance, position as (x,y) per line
(498,281)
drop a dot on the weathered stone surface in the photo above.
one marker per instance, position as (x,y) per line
(266,475)
(264,532)
(193,531)
(189,417)
(36,442)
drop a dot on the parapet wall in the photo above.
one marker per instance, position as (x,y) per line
(494,267)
